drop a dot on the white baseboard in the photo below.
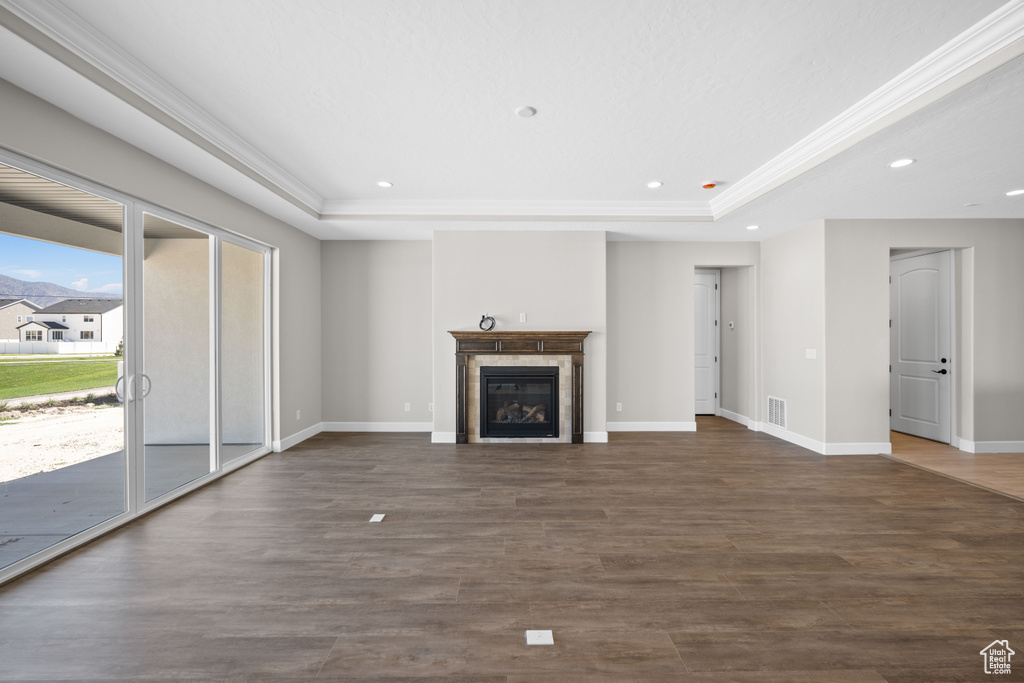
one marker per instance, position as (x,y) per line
(736,417)
(378,426)
(991,446)
(297,438)
(839,448)
(652,426)
(792,437)
(853,448)
(442,437)
(595,437)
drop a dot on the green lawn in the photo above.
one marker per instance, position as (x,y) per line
(51,377)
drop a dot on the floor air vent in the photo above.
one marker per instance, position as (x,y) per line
(777,412)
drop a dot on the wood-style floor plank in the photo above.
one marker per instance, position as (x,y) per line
(721,555)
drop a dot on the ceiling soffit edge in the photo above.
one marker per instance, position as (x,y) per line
(992,42)
(59,32)
(516,210)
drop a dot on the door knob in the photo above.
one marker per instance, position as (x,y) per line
(943,371)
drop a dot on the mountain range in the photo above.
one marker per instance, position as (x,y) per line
(44,293)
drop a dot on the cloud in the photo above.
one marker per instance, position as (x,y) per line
(28,272)
(113,288)
(82,284)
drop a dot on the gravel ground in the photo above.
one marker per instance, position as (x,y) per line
(47,439)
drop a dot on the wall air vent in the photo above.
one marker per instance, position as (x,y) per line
(777,412)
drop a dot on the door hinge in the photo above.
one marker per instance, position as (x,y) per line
(716,285)
(716,394)
(890,323)
(890,412)
(716,359)
(716,323)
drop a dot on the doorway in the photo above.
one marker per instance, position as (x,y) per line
(921,344)
(706,341)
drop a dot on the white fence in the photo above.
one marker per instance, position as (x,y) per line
(15,346)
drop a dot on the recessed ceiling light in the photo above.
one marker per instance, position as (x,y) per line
(753,227)
(655,184)
(1014,193)
(526,112)
(384,183)
(900,163)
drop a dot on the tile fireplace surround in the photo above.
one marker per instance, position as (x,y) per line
(564,349)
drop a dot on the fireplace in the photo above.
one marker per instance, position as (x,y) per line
(519,402)
(519,350)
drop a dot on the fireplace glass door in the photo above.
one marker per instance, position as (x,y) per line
(519,402)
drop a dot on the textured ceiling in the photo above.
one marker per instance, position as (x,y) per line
(339,95)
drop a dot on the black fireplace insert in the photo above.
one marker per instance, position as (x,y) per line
(519,402)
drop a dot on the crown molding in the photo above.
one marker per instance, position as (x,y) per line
(992,42)
(55,29)
(341,210)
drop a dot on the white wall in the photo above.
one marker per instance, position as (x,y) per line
(557,278)
(651,328)
(737,392)
(991,324)
(37,129)
(793,308)
(377,344)
(177,338)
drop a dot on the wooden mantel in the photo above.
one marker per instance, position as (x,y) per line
(473,343)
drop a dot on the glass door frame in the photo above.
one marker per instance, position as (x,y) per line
(217,238)
(133,250)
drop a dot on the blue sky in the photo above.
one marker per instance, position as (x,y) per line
(36,261)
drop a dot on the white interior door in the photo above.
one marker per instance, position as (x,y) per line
(921,375)
(705,342)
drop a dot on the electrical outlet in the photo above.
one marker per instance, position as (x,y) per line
(618,407)
(298,414)
(430,407)
(408,407)
(522,317)
(812,354)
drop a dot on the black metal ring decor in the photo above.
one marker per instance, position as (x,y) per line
(486,323)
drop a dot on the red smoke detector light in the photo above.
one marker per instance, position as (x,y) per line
(709,186)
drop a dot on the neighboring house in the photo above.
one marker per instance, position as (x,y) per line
(42,330)
(15,312)
(77,320)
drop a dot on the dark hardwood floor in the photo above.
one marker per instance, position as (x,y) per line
(721,555)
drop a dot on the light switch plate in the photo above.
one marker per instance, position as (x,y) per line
(540,638)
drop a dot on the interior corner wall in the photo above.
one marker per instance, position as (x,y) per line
(736,391)
(991,321)
(793,314)
(376,334)
(557,278)
(37,129)
(651,329)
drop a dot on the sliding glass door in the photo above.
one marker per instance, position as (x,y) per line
(176,377)
(243,353)
(139,376)
(62,428)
